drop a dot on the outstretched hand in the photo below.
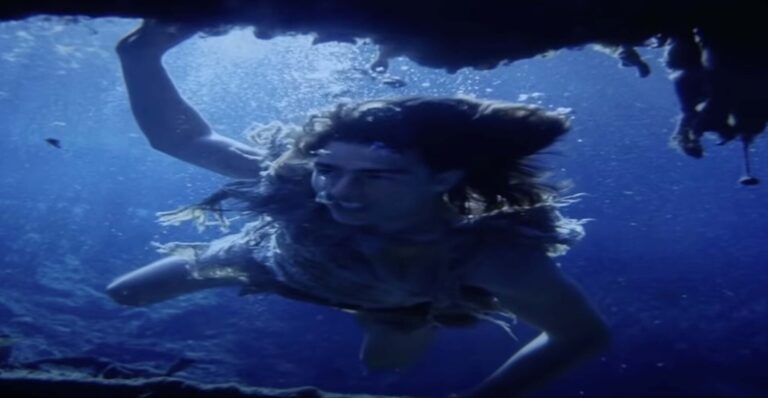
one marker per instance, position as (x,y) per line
(155,37)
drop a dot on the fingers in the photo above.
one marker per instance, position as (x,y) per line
(155,37)
(167,33)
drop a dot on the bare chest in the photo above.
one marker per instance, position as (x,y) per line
(417,267)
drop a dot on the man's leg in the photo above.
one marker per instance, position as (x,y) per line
(393,342)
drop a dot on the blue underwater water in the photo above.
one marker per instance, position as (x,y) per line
(674,257)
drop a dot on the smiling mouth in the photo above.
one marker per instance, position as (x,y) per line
(339,204)
(348,205)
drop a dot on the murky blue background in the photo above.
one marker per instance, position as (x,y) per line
(674,257)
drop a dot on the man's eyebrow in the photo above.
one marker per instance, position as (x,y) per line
(384,171)
(370,170)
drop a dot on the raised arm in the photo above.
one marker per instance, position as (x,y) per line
(167,120)
(535,290)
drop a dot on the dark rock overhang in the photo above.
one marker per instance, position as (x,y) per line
(717,51)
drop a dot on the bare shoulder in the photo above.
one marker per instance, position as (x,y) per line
(527,282)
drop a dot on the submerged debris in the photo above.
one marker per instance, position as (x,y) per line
(54,142)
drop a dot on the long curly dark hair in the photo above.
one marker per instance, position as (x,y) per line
(492,142)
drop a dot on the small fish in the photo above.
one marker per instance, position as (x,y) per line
(53,142)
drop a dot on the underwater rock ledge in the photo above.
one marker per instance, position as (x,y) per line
(89,376)
(717,50)
(22,384)
(440,34)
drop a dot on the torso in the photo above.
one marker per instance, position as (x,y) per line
(413,265)
(438,269)
(389,273)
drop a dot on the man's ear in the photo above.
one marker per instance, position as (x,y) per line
(446,180)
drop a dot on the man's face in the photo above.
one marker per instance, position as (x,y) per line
(371,185)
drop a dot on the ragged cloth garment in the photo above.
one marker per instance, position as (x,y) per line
(426,287)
